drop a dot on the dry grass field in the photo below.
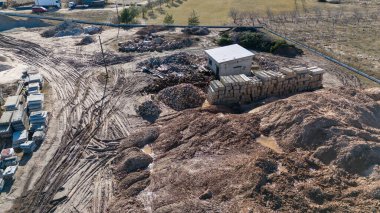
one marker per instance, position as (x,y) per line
(215,12)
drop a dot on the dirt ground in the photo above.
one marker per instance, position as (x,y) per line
(73,169)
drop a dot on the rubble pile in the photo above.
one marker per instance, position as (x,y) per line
(111,59)
(152,43)
(69,28)
(148,109)
(182,96)
(151,29)
(266,64)
(86,40)
(178,64)
(196,31)
(242,89)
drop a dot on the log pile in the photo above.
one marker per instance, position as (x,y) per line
(243,89)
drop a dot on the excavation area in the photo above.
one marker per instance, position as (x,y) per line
(136,125)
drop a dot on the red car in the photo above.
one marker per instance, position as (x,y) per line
(39,9)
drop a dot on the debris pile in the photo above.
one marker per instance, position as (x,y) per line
(196,31)
(151,29)
(266,64)
(148,109)
(153,43)
(242,89)
(69,28)
(178,64)
(182,96)
(85,41)
(110,58)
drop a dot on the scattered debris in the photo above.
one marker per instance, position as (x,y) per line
(111,59)
(182,96)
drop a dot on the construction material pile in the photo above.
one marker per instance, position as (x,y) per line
(35,78)
(69,28)
(182,96)
(148,109)
(196,31)
(179,64)
(19,137)
(242,89)
(28,146)
(38,121)
(5,124)
(12,102)
(153,42)
(33,88)
(38,136)
(19,120)
(35,102)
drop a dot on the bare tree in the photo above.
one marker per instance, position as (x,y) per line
(357,15)
(234,14)
(252,16)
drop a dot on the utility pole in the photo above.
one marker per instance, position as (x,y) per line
(105,85)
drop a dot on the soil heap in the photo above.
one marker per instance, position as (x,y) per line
(205,161)
(182,96)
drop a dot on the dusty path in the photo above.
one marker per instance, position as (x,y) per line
(78,165)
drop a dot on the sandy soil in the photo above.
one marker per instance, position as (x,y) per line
(71,171)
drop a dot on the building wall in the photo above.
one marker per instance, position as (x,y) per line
(235,67)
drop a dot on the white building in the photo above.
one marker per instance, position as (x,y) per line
(230,60)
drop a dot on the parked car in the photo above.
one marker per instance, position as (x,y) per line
(39,9)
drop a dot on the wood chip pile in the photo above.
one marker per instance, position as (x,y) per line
(243,89)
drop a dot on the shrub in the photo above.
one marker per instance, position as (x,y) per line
(128,15)
(277,44)
(168,19)
(225,40)
(193,19)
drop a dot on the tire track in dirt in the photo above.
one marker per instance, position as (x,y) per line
(70,166)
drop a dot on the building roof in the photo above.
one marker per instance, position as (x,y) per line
(229,53)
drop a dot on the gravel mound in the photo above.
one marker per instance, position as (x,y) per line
(182,96)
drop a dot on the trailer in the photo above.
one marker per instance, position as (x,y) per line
(48,3)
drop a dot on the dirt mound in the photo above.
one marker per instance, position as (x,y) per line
(148,110)
(86,40)
(182,96)
(213,161)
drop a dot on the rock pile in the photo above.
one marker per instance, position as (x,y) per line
(196,31)
(154,43)
(182,96)
(242,89)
